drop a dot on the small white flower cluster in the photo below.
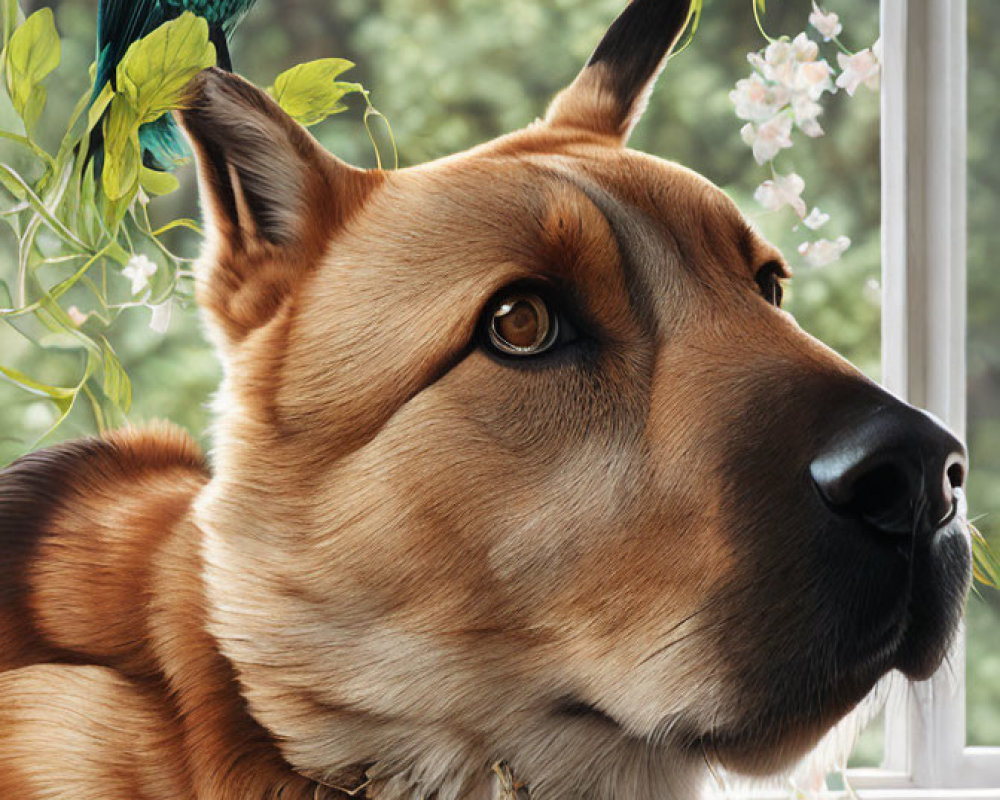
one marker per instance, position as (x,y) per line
(139,269)
(783,94)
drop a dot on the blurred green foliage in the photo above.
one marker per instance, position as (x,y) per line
(452,73)
(983,353)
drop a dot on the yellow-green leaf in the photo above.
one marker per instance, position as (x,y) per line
(122,154)
(114,211)
(11,15)
(100,103)
(32,53)
(56,393)
(309,93)
(156,69)
(117,386)
(985,564)
(155,182)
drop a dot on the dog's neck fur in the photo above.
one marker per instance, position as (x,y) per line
(173,642)
(353,732)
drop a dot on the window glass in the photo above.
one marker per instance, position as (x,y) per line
(983,349)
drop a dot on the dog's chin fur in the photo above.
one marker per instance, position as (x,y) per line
(558,760)
(414,728)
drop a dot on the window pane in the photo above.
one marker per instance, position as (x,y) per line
(984,361)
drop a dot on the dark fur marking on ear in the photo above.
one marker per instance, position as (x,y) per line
(221,184)
(235,124)
(637,42)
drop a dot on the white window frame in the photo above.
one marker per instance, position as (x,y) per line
(924,124)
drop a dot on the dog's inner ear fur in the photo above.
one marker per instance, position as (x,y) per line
(610,94)
(263,177)
(271,195)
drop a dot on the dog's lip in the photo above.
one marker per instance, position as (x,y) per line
(904,625)
(928,629)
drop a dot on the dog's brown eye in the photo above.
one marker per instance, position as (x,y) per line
(768,279)
(522,325)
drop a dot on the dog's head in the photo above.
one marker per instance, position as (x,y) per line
(519,459)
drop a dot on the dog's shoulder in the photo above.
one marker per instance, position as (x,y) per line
(80,522)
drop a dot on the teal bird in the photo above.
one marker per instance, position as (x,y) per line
(122,22)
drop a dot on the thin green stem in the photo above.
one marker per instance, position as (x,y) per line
(756,18)
(843,48)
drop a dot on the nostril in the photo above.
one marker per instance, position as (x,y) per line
(883,493)
(956,475)
(899,470)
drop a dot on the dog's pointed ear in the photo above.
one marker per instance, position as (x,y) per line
(271,196)
(611,92)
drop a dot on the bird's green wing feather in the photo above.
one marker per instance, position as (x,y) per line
(119,24)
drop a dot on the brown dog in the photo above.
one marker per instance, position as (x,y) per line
(518,462)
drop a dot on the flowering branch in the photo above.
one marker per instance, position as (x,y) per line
(784,94)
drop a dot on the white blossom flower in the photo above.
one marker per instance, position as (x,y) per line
(784,190)
(804,48)
(863,67)
(828,24)
(805,112)
(787,75)
(139,270)
(782,59)
(813,77)
(757,100)
(823,251)
(160,319)
(769,138)
(816,219)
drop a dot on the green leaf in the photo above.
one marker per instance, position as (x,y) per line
(12,184)
(57,393)
(11,14)
(156,69)
(97,108)
(985,564)
(12,179)
(122,153)
(65,405)
(57,291)
(309,93)
(29,145)
(114,211)
(117,386)
(155,182)
(33,52)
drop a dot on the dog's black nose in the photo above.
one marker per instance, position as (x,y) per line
(897,470)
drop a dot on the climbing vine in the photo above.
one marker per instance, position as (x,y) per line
(87,250)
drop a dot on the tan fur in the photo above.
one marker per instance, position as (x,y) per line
(411,562)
